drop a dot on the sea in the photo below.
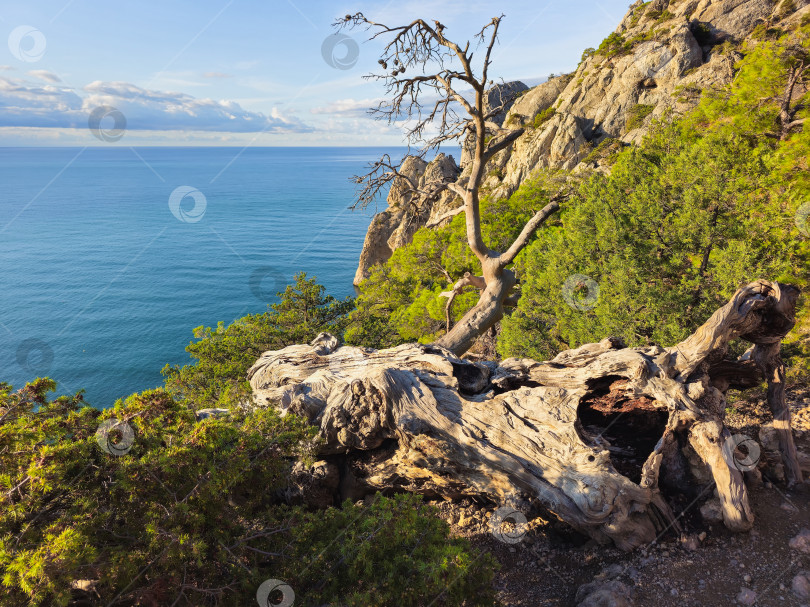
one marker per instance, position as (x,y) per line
(111,256)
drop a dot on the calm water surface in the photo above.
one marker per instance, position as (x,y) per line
(101,283)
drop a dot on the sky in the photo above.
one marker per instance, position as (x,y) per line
(244,72)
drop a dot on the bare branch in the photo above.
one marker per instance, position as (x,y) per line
(466,281)
(522,240)
(500,142)
(448,215)
(429,98)
(496,21)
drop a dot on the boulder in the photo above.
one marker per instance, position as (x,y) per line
(536,100)
(801,542)
(801,585)
(603,594)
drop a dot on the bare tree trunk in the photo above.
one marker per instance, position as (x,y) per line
(497,282)
(598,435)
(483,316)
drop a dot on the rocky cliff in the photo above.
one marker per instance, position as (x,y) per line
(660,58)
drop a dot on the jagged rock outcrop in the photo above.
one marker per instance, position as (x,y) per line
(673,50)
(504,96)
(536,100)
(406,211)
(665,54)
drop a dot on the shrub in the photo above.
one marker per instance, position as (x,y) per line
(605,152)
(765,32)
(613,46)
(190,514)
(400,301)
(543,117)
(786,8)
(497,173)
(394,551)
(224,354)
(638,12)
(637,115)
(183,500)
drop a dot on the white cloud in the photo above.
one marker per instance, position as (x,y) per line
(43,106)
(45,75)
(354,107)
(216,75)
(23,104)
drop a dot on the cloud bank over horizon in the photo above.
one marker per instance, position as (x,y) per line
(26,103)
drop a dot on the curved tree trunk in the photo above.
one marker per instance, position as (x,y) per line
(604,436)
(480,317)
(496,284)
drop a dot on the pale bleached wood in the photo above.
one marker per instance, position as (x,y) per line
(419,418)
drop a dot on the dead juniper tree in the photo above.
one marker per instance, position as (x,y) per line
(435,101)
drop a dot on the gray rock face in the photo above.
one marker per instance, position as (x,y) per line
(406,211)
(597,102)
(537,100)
(732,18)
(665,69)
(506,95)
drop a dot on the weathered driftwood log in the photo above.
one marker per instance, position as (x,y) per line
(604,436)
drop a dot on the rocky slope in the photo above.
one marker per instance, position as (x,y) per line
(660,57)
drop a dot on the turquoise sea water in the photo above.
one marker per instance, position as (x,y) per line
(101,283)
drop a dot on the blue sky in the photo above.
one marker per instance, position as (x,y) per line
(243,72)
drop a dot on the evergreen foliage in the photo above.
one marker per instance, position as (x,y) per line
(224,354)
(191,513)
(707,202)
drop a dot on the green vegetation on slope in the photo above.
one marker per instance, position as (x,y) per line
(191,513)
(400,301)
(708,202)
